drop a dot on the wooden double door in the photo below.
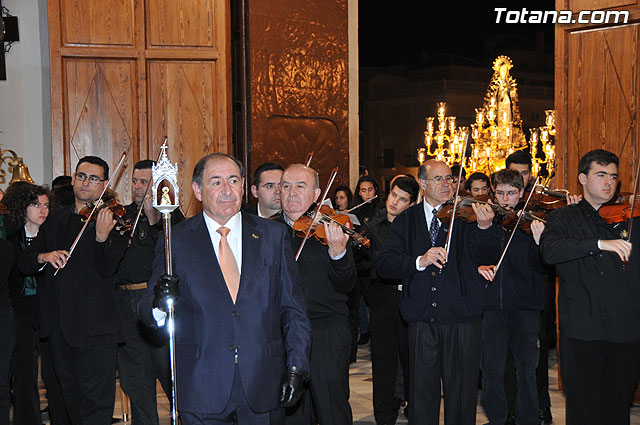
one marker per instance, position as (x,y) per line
(126,74)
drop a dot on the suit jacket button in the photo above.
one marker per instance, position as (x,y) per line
(433,273)
(235,313)
(433,289)
(432,320)
(434,304)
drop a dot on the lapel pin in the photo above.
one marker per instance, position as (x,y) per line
(255,236)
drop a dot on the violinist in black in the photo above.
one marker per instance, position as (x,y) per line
(327,275)
(598,298)
(513,301)
(78,307)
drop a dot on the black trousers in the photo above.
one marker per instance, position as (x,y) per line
(57,411)
(518,331)
(389,344)
(7,344)
(237,411)
(328,392)
(143,352)
(599,378)
(24,368)
(449,354)
(87,377)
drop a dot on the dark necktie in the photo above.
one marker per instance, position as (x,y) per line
(433,228)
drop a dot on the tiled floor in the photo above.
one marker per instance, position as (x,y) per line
(361,396)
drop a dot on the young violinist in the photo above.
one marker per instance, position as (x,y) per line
(79,310)
(389,340)
(599,295)
(327,275)
(478,184)
(513,302)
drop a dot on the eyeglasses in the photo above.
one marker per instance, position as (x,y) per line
(508,193)
(81,177)
(440,179)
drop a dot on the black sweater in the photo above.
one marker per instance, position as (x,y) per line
(326,282)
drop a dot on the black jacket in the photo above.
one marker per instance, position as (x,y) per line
(82,296)
(519,284)
(454,295)
(598,298)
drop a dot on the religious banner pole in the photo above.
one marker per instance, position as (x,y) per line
(165,178)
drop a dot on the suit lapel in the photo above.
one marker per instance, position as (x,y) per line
(422,238)
(250,250)
(202,244)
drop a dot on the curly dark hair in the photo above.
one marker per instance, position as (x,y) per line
(18,197)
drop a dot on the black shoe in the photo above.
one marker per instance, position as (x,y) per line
(364,338)
(511,419)
(545,416)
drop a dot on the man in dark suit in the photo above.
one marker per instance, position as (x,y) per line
(266,190)
(441,300)
(240,316)
(78,306)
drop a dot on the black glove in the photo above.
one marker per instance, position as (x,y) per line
(166,288)
(292,386)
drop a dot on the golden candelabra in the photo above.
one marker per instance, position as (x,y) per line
(496,134)
(447,142)
(542,144)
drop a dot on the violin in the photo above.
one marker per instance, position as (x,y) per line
(548,199)
(508,217)
(620,212)
(108,201)
(326,215)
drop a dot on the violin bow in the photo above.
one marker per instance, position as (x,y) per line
(633,199)
(334,173)
(361,204)
(513,232)
(95,206)
(146,192)
(447,245)
(309,158)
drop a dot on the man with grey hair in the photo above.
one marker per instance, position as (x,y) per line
(328,274)
(442,297)
(243,337)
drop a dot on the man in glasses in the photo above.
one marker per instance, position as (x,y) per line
(442,299)
(79,310)
(266,189)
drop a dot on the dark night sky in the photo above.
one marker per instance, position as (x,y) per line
(395,33)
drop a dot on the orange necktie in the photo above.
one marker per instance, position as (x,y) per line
(228,264)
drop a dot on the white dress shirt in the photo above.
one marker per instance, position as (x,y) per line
(428,214)
(234,237)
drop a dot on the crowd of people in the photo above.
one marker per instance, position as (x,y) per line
(269,318)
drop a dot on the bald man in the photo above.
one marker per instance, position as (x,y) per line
(441,299)
(328,274)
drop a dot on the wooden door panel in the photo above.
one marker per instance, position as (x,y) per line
(98,22)
(602,95)
(102,114)
(183,99)
(184,23)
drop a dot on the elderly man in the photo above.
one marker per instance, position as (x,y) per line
(328,275)
(441,300)
(241,326)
